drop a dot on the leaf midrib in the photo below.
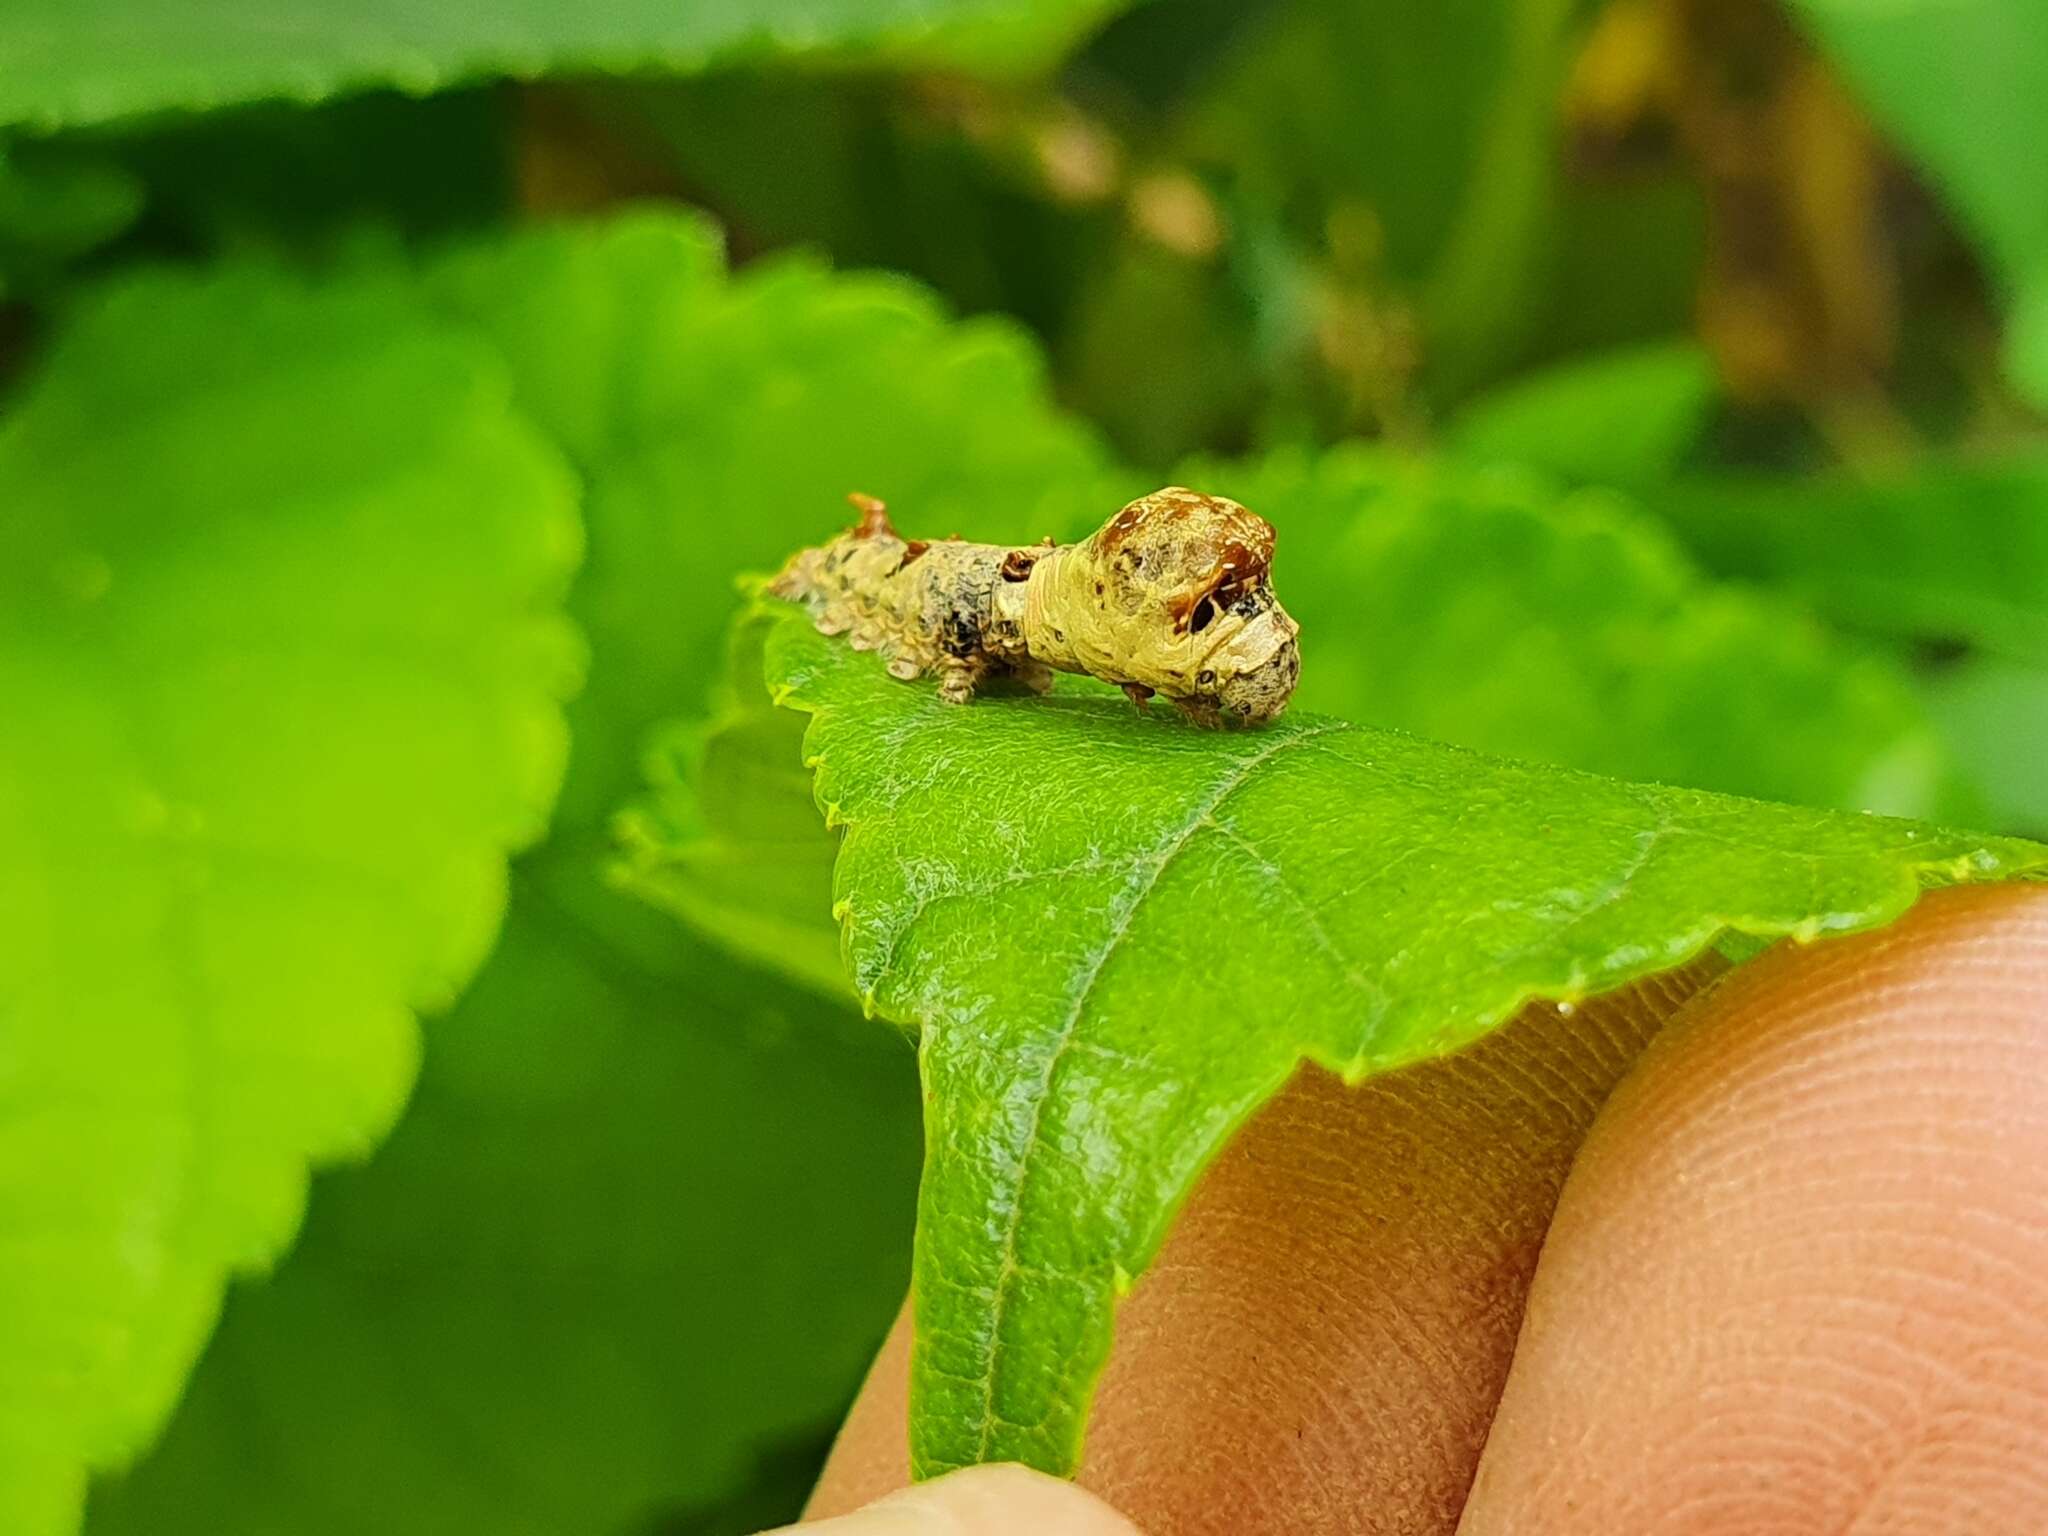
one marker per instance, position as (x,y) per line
(1146,875)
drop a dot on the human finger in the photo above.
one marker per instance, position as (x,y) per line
(1320,1344)
(1798,1280)
(981,1501)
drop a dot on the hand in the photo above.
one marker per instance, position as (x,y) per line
(1796,1280)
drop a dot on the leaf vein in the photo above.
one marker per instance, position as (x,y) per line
(1146,875)
(1347,967)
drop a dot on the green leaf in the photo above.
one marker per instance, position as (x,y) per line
(877,176)
(295,179)
(1384,103)
(1948,549)
(1949,80)
(738,853)
(1616,418)
(72,63)
(281,647)
(1510,201)
(1413,153)
(715,424)
(1952,81)
(1118,935)
(648,1215)
(1492,610)
(1993,714)
(2026,340)
(57,203)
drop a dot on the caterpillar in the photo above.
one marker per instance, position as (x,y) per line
(1172,597)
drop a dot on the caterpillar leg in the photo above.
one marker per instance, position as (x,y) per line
(867,635)
(1138,694)
(959,676)
(1035,675)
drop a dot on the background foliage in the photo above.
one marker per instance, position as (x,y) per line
(392,395)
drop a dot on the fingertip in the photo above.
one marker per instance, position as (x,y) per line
(1798,1279)
(980,1501)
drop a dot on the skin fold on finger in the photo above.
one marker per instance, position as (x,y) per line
(1320,1345)
(981,1501)
(1798,1280)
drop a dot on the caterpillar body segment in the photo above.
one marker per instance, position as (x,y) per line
(1171,597)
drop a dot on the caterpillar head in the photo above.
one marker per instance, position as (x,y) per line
(1189,579)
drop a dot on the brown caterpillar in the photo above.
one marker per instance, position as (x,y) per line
(1173,596)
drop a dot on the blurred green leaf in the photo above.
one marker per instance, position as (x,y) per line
(57,203)
(1159,356)
(1944,548)
(1490,609)
(1477,303)
(1118,935)
(2026,342)
(1385,103)
(647,1215)
(75,63)
(716,424)
(1958,83)
(1951,79)
(282,652)
(739,853)
(1993,715)
(1616,418)
(276,181)
(1415,155)
(874,173)
(292,178)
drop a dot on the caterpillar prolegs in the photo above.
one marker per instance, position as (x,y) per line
(1173,596)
